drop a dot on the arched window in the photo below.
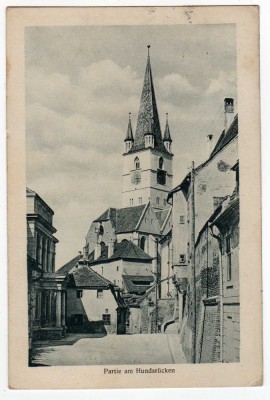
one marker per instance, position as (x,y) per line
(137,163)
(160,163)
(101,230)
(102,244)
(142,243)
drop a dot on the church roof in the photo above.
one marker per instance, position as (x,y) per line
(124,250)
(128,218)
(148,114)
(124,219)
(162,215)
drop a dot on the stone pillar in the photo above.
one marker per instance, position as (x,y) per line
(58,308)
(63,312)
(49,311)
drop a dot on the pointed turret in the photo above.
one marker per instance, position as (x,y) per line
(129,140)
(167,140)
(148,120)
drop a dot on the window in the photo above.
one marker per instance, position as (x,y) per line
(100,294)
(157,200)
(160,163)
(137,163)
(102,244)
(182,219)
(79,294)
(101,230)
(182,258)
(140,200)
(142,243)
(117,268)
(106,318)
(131,202)
(229,258)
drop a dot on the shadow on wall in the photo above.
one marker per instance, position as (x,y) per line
(77,320)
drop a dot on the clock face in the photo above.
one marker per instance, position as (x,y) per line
(161,177)
(136,177)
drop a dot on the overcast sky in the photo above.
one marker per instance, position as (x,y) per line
(81,83)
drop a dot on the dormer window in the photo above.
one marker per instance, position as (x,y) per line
(137,163)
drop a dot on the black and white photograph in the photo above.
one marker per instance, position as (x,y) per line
(139,237)
(132,195)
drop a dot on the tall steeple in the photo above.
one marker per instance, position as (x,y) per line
(148,114)
(147,164)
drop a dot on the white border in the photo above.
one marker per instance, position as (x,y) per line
(201,394)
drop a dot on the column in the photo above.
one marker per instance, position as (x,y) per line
(58,308)
(49,312)
(63,313)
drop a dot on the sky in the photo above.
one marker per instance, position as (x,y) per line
(81,84)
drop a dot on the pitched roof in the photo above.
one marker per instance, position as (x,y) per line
(85,277)
(148,114)
(137,284)
(225,138)
(125,250)
(68,266)
(123,219)
(128,218)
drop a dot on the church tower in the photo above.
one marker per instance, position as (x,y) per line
(148,158)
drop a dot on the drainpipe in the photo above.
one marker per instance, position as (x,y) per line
(192,259)
(220,290)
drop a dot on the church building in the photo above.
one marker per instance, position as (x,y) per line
(145,215)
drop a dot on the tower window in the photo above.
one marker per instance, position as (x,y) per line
(157,200)
(160,163)
(165,202)
(142,243)
(182,258)
(131,202)
(182,219)
(137,163)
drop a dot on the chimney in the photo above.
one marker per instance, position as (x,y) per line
(97,251)
(110,248)
(210,144)
(85,251)
(228,113)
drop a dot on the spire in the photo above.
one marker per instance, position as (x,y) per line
(167,135)
(129,135)
(148,113)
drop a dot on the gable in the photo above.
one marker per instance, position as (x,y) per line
(149,222)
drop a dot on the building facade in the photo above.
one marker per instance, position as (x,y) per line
(46,290)
(196,251)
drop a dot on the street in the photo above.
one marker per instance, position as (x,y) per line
(114,350)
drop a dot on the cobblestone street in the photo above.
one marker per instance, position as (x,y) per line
(114,350)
